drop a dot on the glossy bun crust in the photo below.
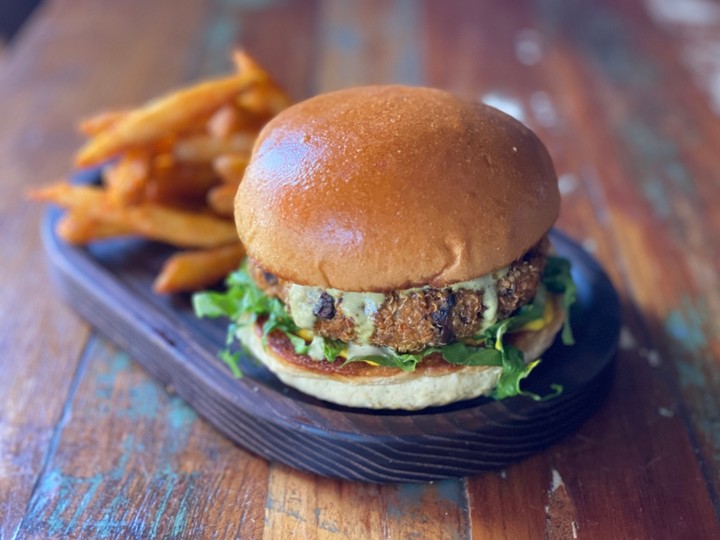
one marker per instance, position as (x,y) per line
(387,187)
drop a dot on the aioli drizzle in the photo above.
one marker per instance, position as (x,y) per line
(361,307)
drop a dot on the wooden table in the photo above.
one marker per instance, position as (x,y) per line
(624,93)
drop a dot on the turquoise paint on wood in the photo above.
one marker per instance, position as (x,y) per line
(223,31)
(405,25)
(686,324)
(62,496)
(411,498)
(657,162)
(396,29)
(692,328)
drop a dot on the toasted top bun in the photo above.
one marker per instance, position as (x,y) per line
(434,382)
(387,187)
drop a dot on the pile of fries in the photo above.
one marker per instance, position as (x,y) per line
(170,169)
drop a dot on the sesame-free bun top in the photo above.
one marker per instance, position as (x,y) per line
(387,187)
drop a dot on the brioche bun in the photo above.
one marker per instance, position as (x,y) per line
(433,383)
(385,188)
(390,187)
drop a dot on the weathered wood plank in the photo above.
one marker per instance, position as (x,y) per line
(621,92)
(539,71)
(372,42)
(510,503)
(662,131)
(67,62)
(306,506)
(130,460)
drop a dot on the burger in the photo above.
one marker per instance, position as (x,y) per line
(398,251)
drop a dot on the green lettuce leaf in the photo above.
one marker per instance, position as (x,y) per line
(557,279)
(332,348)
(389,358)
(299,344)
(244,301)
(461,354)
(515,369)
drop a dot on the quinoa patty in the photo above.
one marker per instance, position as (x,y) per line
(415,319)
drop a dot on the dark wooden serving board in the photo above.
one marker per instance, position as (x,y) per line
(109,284)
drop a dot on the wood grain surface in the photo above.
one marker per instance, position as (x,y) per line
(625,95)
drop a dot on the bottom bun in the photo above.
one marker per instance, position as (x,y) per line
(386,388)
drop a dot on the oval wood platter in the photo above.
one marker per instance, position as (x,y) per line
(109,284)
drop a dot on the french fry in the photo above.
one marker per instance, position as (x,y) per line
(97,123)
(265,98)
(155,222)
(176,227)
(193,270)
(224,122)
(176,183)
(126,179)
(204,149)
(231,119)
(69,196)
(78,228)
(176,164)
(170,114)
(230,167)
(244,63)
(222,199)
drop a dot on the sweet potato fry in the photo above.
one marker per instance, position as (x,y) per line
(193,270)
(170,114)
(222,199)
(204,149)
(97,123)
(230,167)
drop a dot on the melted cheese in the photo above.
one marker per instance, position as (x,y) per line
(547,317)
(307,335)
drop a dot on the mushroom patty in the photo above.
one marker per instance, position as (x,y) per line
(413,319)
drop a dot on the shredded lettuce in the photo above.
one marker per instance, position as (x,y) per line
(332,349)
(243,302)
(514,367)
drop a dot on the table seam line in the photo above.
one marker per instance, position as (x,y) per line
(59,427)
